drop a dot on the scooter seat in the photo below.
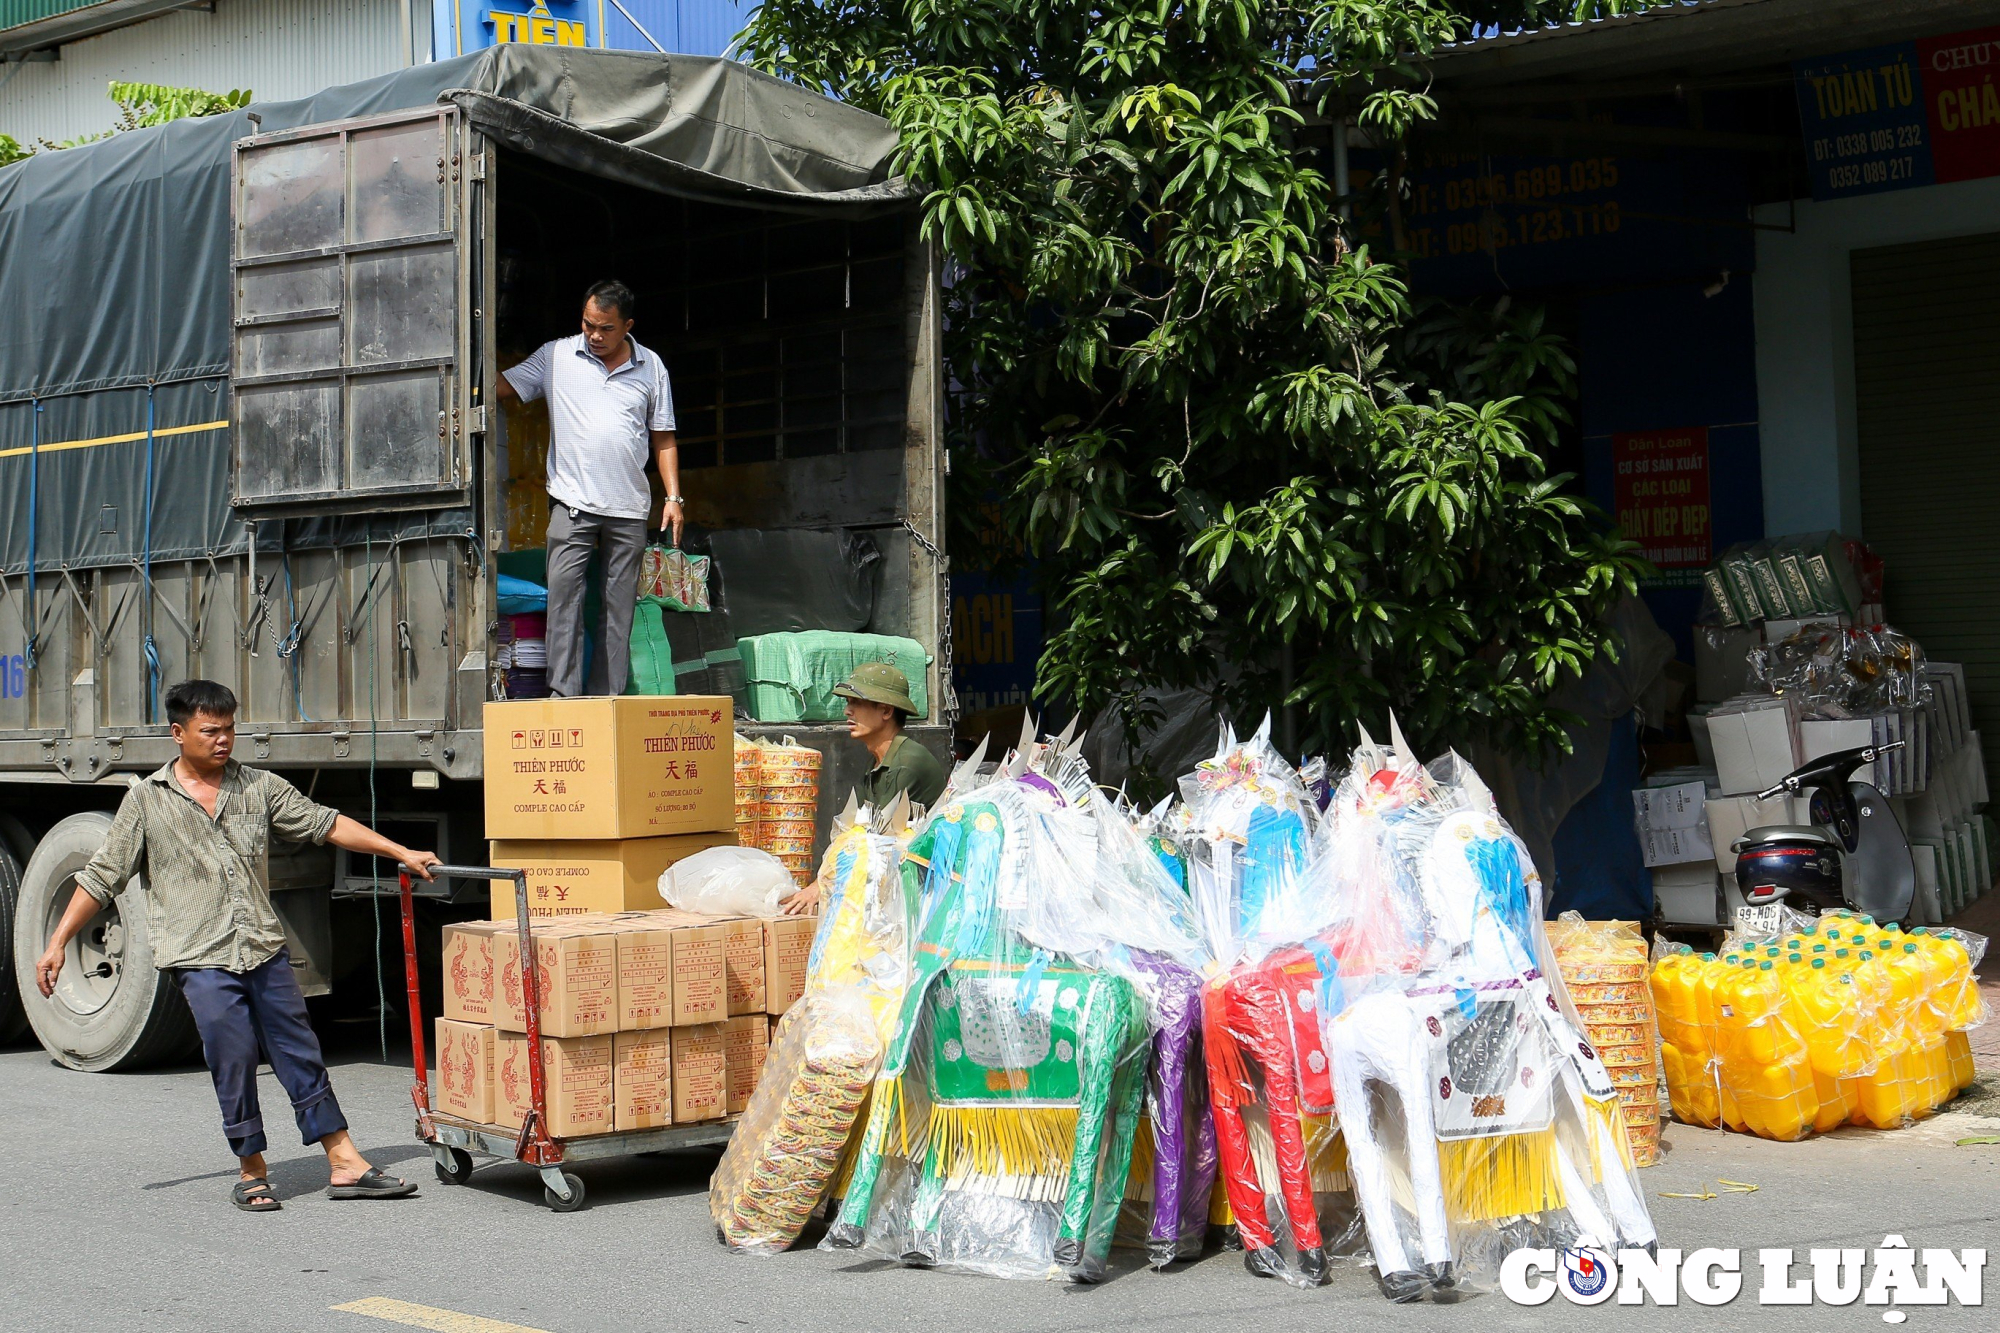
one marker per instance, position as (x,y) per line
(1785,833)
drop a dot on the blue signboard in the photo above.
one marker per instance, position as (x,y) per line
(997,638)
(474,25)
(688,27)
(1485,222)
(1864,120)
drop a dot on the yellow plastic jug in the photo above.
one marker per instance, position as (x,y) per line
(1768,1060)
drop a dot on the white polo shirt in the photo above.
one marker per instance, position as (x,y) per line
(599,419)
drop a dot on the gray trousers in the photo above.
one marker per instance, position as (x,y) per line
(574,537)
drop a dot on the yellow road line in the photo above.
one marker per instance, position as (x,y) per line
(160,434)
(430,1317)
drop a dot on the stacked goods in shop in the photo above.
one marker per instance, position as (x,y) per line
(1604,967)
(787,812)
(1792,578)
(1836,1021)
(749,770)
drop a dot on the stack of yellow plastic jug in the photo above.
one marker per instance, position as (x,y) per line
(1687,1047)
(1764,1060)
(1842,1021)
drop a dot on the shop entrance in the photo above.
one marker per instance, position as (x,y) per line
(1927,396)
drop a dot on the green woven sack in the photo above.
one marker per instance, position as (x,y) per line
(652,655)
(790,677)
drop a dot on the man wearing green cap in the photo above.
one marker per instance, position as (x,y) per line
(878,707)
(878,704)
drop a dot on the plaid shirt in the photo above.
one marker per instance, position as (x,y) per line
(208,886)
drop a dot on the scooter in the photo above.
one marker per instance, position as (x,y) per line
(1854,853)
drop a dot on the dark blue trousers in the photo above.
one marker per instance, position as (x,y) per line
(240,1014)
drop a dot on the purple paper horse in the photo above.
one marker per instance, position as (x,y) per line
(1183,1162)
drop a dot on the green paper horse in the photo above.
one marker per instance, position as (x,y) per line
(1029,1070)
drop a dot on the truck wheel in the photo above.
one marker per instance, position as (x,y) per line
(13,1018)
(111,1009)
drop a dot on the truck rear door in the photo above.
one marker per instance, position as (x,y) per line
(351,315)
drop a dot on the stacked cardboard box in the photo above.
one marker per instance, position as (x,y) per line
(594,799)
(648,1019)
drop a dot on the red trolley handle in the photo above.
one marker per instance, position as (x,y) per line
(534,1145)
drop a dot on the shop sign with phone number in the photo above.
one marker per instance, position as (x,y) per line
(1892,117)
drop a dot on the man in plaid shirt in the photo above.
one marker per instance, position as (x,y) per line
(200,828)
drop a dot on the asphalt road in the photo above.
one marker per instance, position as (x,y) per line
(115,1216)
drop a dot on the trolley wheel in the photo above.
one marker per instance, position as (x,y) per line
(459,1168)
(557,1203)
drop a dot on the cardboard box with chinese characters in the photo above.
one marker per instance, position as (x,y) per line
(700,1073)
(672,970)
(577,965)
(745,1041)
(464,1083)
(743,958)
(633,767)
(468,970)
(787,946)
(576,1083)
(571,878)
(642,1080)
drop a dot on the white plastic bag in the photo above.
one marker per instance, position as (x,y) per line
(727,881)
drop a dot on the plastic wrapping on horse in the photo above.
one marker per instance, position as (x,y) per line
(1250,829)
(1127,912)
(1282,1163)
(796,1135)
(1000,1129)
(1169,1192)
(1477,1117)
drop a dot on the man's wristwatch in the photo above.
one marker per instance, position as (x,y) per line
(676,499)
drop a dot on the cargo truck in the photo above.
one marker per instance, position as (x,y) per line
(248,431)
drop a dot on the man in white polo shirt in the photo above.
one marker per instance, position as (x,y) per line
(610,409)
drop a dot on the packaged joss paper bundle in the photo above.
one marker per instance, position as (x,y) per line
(788,1153)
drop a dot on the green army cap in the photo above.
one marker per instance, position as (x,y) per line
(880,683)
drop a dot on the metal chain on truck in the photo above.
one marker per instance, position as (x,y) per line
(950,700)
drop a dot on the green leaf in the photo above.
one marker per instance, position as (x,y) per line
(1223,425)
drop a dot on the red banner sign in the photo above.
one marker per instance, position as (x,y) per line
(1660,494)
(1963,102)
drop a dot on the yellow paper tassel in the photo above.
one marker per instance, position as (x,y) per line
(971,1143)
(1326,1153)
(1139,1178)
(1219,1214)
(1607,1130)
(1504,1176)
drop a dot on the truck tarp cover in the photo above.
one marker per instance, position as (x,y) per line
(114,267)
